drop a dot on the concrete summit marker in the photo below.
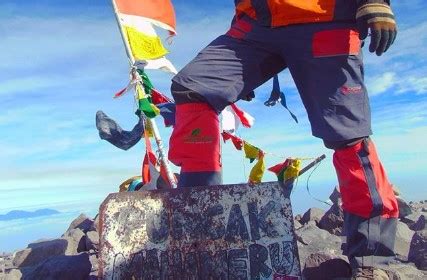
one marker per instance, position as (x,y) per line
(222,232)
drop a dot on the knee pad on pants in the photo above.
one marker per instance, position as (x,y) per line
(195,141)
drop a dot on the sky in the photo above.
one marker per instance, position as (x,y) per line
(61,61)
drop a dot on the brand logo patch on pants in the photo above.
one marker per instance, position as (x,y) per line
(196,137)
(351,89)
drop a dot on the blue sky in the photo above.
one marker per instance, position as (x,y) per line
(63,60)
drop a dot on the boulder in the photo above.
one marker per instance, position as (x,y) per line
(38,252)
(96,223)
(335,196)
(83,223)
(406,271)
(297,225)
(333,220)
(412,219)
(62,267)
(324,266)
(92,240)
(13,274)
(420,224)
(312,214)
(93,258)
(312,240)
(403,240)
(404,208)
(76,241)
(418,250)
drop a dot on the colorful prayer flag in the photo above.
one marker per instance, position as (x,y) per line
(137,19)
(257,172)
(246,119)
(251,152)
(237,142)
(158,12)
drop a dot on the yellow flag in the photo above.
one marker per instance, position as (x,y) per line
(257,172)
(251,152)
(293,169)
(144,46)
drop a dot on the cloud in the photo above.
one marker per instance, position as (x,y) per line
(381,83)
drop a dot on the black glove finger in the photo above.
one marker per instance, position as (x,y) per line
(394,36)
(363,30)
(375,40)
(249,97)
(391,35)
(383,43)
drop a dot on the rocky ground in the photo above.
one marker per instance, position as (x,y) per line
(74,255)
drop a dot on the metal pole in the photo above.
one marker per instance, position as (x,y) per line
(290,181)
(162,156)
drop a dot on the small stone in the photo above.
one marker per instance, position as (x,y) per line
(313,214)
(323,266)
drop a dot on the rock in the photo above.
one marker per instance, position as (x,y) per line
(313,214)
(323,266)
(333,220)
(335,196)
(13,274)
(298,218)
(404,208)
(63,267)
(83,223)
(403,240)
(76,241)
(418,250)
(420,224)
(94,263)
(406,271)
(297,225)
(96,223)
(92,240)
(412,219)
(38,252)
(310,233)
(312,240)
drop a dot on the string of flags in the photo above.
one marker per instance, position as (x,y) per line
(286,170)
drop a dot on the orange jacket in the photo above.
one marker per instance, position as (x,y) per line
(284,12)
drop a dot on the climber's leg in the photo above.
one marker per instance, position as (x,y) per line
(225,71)
(326,63)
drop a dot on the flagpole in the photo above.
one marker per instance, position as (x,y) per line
(163,159)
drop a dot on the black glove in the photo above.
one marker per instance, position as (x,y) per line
(379,18)
(249,96)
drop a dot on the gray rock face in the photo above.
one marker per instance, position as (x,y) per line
(420,224)
(335,196)
(313,214)
(38,252)
(92,240)
(323,266)
(96,223)
(412,219)
(418,250)
(403,240)
(83,223)
(13,274)
(312,240)
(333,220)
(62,267)
(76,240)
